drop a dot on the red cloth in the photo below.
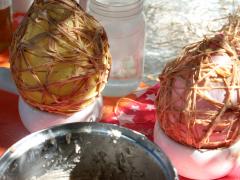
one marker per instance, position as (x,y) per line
(136,111)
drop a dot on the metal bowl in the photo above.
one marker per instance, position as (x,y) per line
(85,151)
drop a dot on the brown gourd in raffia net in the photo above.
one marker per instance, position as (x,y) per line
(59,57)
(198,102)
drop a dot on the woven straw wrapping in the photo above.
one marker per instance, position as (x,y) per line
(198,103)
(60,58)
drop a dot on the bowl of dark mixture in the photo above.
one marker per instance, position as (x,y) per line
(85,151)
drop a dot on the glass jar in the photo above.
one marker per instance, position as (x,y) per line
(124,23)
(5,24)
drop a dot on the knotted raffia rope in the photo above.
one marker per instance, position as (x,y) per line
(198,103)
(60,58)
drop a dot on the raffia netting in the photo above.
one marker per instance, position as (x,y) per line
(60,58)
(198,103)
(231,31)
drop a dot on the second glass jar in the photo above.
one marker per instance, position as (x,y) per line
(124,23)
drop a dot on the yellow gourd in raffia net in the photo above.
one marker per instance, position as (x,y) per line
(59,57)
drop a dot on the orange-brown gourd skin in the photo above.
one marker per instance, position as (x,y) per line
(198,103)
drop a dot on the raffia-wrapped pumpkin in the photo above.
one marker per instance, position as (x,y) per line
(198,103)
(60,58)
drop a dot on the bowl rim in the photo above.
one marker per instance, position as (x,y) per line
(87,127)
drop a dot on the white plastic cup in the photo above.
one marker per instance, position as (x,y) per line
(35,120)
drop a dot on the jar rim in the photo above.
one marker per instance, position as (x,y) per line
(117,10)
(117,4)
